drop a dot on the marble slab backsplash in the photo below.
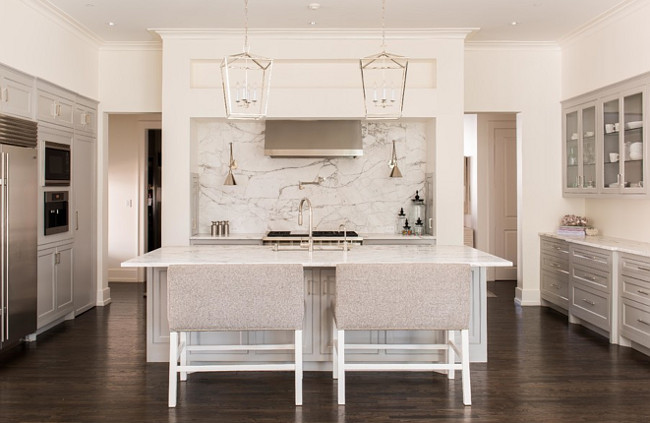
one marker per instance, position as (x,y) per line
(356,191)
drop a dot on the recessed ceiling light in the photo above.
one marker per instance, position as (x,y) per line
(111,23)
(314,6)
(514,23)
(312,23)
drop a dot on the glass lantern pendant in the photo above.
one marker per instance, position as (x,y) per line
(383,77)
(246,82)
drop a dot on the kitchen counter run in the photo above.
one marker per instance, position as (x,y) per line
(249,254)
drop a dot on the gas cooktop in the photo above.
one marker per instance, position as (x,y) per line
(315,234)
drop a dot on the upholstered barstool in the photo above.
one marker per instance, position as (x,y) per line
(232,297)
(421,296)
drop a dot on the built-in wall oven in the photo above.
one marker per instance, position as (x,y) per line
(57,164)
(55,212)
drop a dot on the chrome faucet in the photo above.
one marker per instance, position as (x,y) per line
(345,236)
(311,218)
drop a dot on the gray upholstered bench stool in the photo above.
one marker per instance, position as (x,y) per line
(403,297)
(231,297)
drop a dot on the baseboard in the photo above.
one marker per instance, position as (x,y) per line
(530,297)
(123,275)
(104,297)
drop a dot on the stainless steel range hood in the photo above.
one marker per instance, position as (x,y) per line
(313,138)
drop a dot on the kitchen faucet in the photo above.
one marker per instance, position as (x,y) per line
(311,218)
(345,236)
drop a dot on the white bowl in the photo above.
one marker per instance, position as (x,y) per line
(634,124)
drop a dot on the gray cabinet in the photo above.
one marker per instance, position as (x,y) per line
(55,277)
(85,116)
(54,105)
(16,93)
(605,143)
(634,279)
(590,293)
(554,272)
(83,222)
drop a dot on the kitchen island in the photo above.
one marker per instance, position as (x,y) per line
(320,276)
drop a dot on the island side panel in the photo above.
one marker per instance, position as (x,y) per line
(319,292)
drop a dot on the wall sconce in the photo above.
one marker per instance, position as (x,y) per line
(230,178)
(394,172)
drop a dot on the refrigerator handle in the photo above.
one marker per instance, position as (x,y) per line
(76,220)
(4,248)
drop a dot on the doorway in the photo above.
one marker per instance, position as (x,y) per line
(153,188)
(491,144)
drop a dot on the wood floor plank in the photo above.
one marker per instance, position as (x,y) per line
(540,369)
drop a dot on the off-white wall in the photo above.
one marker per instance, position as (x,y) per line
(615,50)
(126,181)
(123,189)
(527,81)
(35,42)
(181,103)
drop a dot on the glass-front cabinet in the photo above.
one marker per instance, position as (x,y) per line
(605,145)
(623,144)
(580,175)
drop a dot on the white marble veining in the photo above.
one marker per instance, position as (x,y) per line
(212,254)
(358,190)
(607,243)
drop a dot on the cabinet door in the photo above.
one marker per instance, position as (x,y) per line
(45,304)
(631,127)
(611,146)
(17,94)
(85,119)
(63,268)
(572,174)
(588,149)
(54,105)
(83,222)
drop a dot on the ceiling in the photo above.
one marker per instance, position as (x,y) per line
(537,20)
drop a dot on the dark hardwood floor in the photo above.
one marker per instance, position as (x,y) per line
(540,369)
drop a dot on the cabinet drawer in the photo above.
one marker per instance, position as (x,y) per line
(555,288)
(635,289)
(591,306)
(598,279)
(635,323)
(591,257)
(553,263)
(555,247)
(635,266)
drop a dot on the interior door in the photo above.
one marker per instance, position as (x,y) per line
(504,198)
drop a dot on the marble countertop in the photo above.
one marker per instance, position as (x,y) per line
(259,236)
(252,236)
(249,254)
(607,243)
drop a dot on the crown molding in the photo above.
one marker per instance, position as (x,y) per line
(511,45)
(329,33)
(131,46)
(54,14)
(625,8)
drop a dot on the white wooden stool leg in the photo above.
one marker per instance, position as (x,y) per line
(467,388)
(335,347)
(451,355)
(340,343)
(298,360)
(173,355)
(185,337)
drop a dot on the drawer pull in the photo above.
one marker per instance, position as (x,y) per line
(591,278)
(643,321)
(588,301)
(555,265)
(642,292)
(555,285)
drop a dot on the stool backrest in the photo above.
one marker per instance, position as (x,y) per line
(402,296)
(214,297)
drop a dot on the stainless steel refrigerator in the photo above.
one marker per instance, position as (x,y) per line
(18,214)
